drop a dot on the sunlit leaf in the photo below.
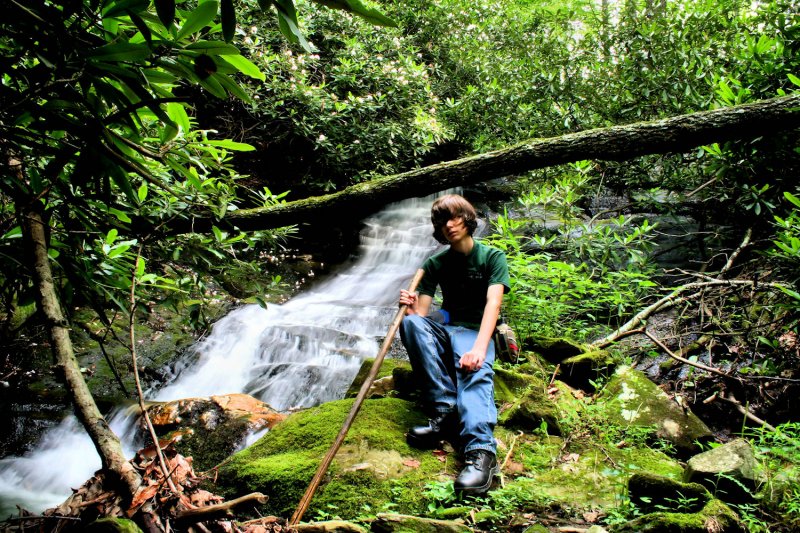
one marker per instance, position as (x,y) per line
(231,145)
(245,66)
(201,17)
(358,8)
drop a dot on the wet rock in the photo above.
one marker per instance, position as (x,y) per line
(395,523)
(633,399)
(210,429)
(730,470)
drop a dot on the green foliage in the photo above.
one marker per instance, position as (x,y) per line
(578,276)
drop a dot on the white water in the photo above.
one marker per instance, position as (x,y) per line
(299,354)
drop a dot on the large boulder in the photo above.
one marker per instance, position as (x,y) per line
(396,523)
(633,399)
(650,493)
(730,470)
(373,462)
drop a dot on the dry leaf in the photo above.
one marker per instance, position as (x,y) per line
(570,458)
(143,495)
(591,517)
(412,463)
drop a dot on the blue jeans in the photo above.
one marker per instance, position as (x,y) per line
(434,351)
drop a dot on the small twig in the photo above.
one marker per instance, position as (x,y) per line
(741,408)
(507,457)
(744,244)
(162,463)
(686,361)
(202,513)
(555,373)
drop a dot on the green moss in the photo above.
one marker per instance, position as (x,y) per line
(374,467)
(387,369)
(715,516)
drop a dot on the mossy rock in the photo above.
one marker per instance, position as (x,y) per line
(385,375)
(632,399)
(396,523)
(329,526)
(211,429)
(650,493)
(731,470)
(585,369)
(554,349)
(374,467)
(715,516)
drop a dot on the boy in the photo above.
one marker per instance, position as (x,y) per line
(453,361)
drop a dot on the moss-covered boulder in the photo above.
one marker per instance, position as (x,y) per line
(210,429)
(374,468)
(632,399)
(554,349)
(715,517)
(585,369)
(524,401)
(650,492)
(730,470)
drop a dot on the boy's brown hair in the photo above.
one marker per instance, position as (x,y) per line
(451,206)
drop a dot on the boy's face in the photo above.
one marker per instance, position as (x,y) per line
(454,229)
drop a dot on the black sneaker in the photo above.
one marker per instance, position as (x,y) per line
(428,436)
(480,467)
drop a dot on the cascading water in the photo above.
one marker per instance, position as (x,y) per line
(299,354)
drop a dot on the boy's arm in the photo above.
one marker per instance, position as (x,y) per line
(473,359)
(418,304)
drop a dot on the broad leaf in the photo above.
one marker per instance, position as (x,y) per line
(358,8)
(213,48)
(228,13)
(120,52)
(245,66)
(166,11)
(198,19)
(115,9)
(231,145)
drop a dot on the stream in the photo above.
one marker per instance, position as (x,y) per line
(299,354)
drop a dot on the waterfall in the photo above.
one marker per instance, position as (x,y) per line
(299,354)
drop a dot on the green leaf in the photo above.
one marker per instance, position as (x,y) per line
(177,112)
(213,48)
(142,192)
(245,66)
(232,87)
(201,17)
(794,79)
(120,52)
(287,22)
(213,86)
(139,266)
(792,198)
(231,145)
(217,233)
(142,26)
(111,236)
(228,13)
(115,9)
(166,11)
(122,216)
(118,250)
(358,8)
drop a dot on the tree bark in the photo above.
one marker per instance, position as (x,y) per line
(616,143)
(105,441)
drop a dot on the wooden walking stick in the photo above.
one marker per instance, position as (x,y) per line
(376,366)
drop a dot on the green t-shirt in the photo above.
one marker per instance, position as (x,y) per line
(464,280)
